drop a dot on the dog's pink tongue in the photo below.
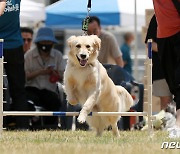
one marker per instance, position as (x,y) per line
(83,62)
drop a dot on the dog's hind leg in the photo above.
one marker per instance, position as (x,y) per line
(100,126)
(115,130)
(99,131)
(113,123)
(97,124)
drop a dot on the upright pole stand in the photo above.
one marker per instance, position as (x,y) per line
(149,83)
(1,86)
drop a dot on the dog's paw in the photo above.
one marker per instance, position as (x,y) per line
(81,118)
(72,101)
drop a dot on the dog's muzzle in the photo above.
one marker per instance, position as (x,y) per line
(82,60)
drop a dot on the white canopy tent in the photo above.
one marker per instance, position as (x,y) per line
(32,12)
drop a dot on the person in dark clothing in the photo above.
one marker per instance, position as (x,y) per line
(160,87)
(44,66)
(14,56)
(168,34)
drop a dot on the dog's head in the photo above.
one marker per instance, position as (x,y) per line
(83,49)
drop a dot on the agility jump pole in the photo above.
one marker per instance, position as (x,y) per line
(149,87)
(31,113)
(1,85)
(47,113)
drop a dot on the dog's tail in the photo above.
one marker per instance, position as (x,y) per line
(126,100)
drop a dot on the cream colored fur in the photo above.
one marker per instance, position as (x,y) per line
(90,85)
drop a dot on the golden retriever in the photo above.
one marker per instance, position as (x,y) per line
(86,82)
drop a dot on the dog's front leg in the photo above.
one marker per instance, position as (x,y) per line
(69,89)
(87,107)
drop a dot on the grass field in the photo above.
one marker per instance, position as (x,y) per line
(82,142)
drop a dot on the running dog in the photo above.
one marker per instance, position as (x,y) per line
(87,82)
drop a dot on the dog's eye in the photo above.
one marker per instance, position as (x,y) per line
(78,46)
(87,46)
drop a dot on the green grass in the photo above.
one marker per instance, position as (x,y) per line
(82,142)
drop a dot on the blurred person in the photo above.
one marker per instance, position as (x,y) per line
(168,33)
(44,66)
(126,51)
(13,55)
(160,86)
(2,6)
(27,35)
(109,52)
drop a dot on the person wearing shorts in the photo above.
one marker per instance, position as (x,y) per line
(160,86)
(168,33)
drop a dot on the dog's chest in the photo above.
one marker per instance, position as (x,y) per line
(84,80)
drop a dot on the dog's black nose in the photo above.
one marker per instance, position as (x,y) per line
(83,56)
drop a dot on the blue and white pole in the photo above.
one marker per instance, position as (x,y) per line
(149,86)
(49,113)
(1,85)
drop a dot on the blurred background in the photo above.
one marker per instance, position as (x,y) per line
(117,16)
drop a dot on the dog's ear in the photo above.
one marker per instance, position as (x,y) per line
(97,41)
(71,40)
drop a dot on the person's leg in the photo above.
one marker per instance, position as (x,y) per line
(32,94)
(166,96)
(178,117)
(161,90)
(165,100)
(16,78)
(176,43)
(70,108)
(63,108)
(170,58)
(167,61)
(33,99)
(51,102)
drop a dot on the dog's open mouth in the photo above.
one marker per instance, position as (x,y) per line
(82,62)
